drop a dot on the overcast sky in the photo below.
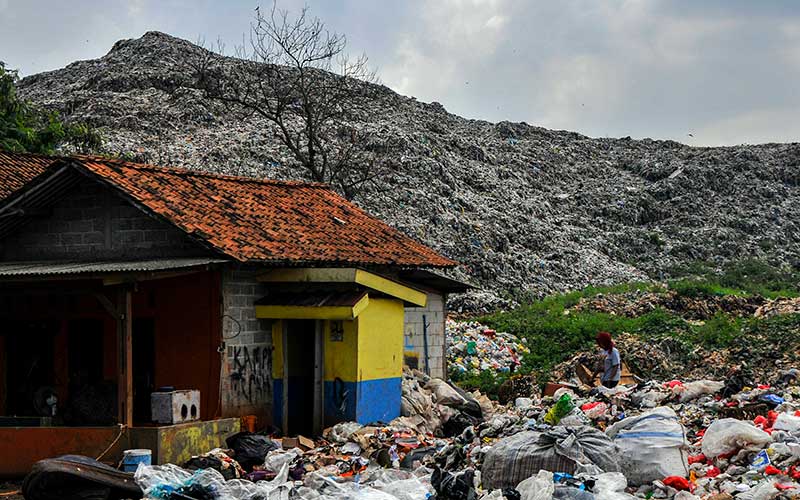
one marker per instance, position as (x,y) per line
(726,72)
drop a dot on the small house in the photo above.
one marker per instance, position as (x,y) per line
(273,299)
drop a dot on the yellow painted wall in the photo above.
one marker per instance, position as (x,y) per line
(380,340)
(341,358)
(372,345)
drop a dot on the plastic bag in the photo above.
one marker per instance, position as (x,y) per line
(341,432)
(561,409)
(728,434)
(596,411)
(444,394)
(611,486)
(560,449)
(538,487)
(787,422)
(275,460)
(694,390)
(652,446)
(763,491)
(170,482)
(250,449)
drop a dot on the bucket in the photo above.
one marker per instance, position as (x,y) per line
(132,458)
(249,422)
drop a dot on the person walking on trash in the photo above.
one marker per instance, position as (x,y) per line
(611,363)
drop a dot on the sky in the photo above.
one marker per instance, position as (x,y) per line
(700,72)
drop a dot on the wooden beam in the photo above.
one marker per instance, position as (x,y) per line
(285,396)
(125,348)
(319,375)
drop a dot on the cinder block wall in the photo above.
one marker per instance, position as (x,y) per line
(435,316)
(92,222)
(246,379)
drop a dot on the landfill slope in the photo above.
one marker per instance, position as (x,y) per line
(523,208)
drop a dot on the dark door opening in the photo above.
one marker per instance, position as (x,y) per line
(144,367)
(303,371)
(91,399)
(29,369)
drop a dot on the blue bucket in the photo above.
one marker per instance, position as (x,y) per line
(132,458)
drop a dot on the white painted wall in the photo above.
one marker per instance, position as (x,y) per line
(435,316)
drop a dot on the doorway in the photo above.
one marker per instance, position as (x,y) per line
(303,372)
(29,368)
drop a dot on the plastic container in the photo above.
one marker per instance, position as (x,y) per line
(132,458)
(249,422)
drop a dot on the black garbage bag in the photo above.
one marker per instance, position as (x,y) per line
(250,449)
(456,424)
(75,477)
(450,486)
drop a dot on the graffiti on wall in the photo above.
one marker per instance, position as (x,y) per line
(250,373)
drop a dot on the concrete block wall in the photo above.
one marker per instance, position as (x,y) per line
(435,316)
(92,222)
(246,379)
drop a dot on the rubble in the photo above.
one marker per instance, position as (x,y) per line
(525,209)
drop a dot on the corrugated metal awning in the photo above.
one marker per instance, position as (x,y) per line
(57,268)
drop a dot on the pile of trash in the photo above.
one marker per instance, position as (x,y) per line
(638,303)
(779,306)
(473,347)
(737,438)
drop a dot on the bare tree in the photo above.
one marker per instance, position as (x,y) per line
(295,73)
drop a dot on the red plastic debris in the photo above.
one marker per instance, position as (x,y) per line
(672,383)
(793,472)
(713,471)
(696,459)
(764,386)
(760,421)
(589,406)
(771,470)
(677,482)
(784,487)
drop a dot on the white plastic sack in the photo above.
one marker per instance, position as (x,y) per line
(443,393)
(693,390)
(728,434)
(611,486)
(763,491)
(277,459)
(538,487)
(787,422)
(652,446)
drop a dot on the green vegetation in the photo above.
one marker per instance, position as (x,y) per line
(745,277)
(27,128)
(554,332)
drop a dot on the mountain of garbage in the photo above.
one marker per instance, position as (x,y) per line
(526,210)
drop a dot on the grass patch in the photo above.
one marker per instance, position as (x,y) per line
(554,333)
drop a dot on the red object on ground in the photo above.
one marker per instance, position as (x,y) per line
(771,470)
(797,413)
(760,420)
(673,383)
(589,406)
(695,459)
(677,482)
(727,455)
(763,386)
(713,472)
(793,472)
(783,487)
(731,404)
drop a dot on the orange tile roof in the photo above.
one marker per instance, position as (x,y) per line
(265,220)
(17,169)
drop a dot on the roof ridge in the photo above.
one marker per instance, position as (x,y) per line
(200,173)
